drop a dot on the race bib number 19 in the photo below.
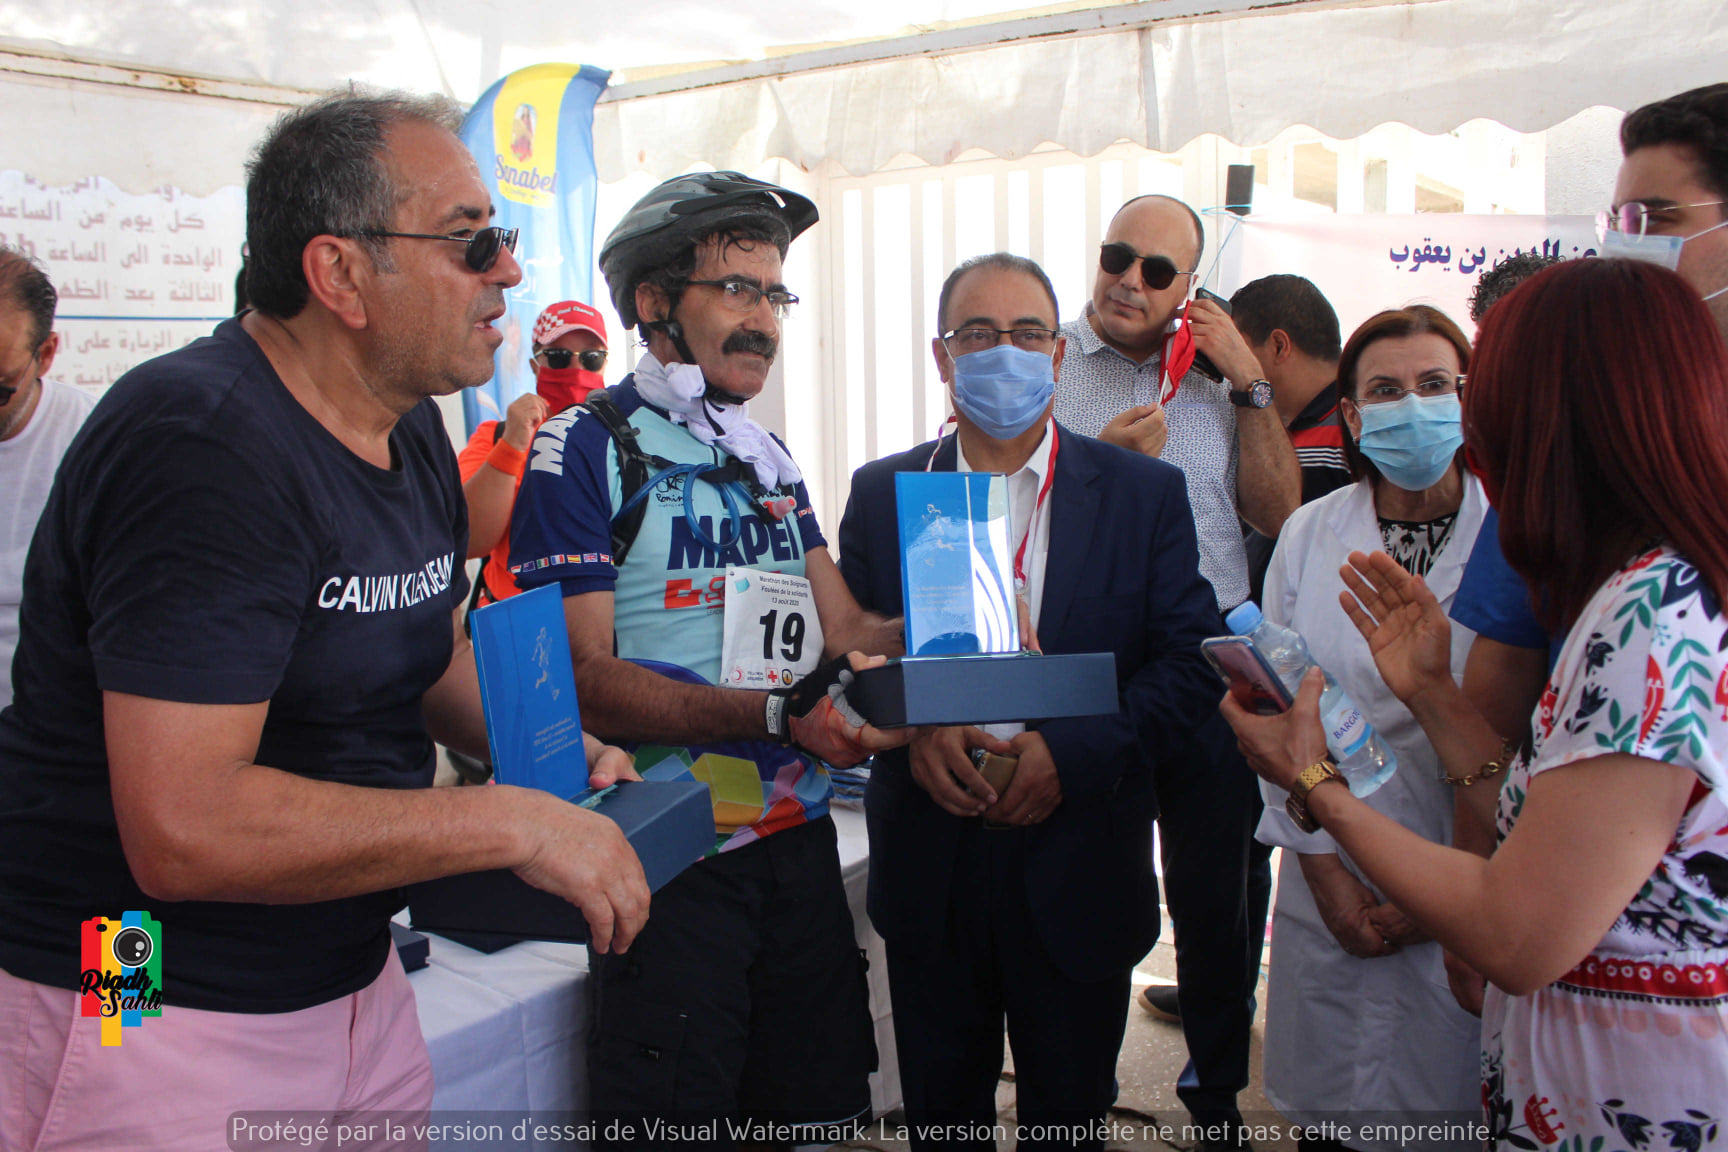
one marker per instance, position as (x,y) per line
(772,634)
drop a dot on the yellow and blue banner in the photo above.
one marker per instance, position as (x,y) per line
(532,134)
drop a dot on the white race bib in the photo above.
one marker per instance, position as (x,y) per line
(773,636)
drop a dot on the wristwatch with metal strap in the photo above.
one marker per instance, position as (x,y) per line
(1296,806)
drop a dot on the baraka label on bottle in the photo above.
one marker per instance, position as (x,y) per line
(1346,728)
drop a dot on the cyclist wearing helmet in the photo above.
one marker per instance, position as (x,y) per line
(701,602)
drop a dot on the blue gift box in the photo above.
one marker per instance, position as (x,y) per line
(670,824)
(1021,686)
(528,692)
(411,947)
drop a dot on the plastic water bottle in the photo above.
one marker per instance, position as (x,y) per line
(1361,755)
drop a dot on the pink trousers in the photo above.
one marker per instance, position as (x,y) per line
(176,1081)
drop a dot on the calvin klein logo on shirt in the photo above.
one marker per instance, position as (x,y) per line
(386,593)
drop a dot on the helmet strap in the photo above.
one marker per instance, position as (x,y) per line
(675,332)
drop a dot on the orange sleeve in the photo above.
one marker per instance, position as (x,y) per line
(479,446)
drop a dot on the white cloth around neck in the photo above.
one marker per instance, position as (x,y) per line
(681,391)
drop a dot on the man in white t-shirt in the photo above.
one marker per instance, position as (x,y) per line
(38,418)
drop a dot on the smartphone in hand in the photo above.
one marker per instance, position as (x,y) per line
(1252,681)
(1202,362)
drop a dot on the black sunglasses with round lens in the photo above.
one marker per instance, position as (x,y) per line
(483,247)
(1159,272)
(559,358)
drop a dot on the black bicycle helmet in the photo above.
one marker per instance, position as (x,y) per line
(682,211)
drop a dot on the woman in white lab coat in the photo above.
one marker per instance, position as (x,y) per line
(1359,1018)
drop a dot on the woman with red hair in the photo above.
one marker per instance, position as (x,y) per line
(1597,411)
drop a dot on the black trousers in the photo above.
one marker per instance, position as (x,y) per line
(1208,805)
(744,999)
(953,995)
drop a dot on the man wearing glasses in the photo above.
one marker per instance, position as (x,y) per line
(666,514)
(569,353)
(1671,198)
(1031,904)
(240,640)
(1128,381)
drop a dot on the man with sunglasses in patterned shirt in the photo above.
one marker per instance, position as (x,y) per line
(1129,380)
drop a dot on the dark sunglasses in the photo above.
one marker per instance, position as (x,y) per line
(1159,272)
(591,361)
(483,247)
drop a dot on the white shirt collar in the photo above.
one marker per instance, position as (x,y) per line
(1038,463)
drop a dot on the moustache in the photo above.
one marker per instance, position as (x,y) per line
(756,343)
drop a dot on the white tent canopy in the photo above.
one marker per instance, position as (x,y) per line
(1161,73)
(147,94)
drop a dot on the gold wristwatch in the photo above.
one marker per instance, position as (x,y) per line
(1296,806)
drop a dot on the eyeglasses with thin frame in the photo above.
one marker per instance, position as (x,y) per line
(1635,217)
(740,295)
(1439,384)
(1158,272)
(559,358)
(977,338)
(483,246)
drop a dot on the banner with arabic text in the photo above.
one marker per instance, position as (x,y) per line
(1366,264)
(532,134)
(138,274)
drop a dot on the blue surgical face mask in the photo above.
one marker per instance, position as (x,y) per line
(1413,441)
(1003,390)
(1661,250)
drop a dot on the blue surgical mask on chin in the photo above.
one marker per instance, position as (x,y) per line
(1413,441)
(1003,390)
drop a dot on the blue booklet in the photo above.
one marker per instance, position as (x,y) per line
(528,691)
(956,570)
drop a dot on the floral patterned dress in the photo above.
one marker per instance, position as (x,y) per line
(1629,1050)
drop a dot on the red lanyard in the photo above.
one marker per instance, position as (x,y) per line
(1032,520)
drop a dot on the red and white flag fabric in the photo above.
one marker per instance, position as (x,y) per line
(1178,357)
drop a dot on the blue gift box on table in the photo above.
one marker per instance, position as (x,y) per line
(670,823)
(528,690)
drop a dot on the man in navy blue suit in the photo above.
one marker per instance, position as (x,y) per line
(1031,905)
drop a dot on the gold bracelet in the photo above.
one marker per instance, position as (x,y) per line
(1489,770)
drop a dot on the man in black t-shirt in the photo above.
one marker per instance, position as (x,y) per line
(238,642)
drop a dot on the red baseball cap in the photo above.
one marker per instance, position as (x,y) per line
(568,316)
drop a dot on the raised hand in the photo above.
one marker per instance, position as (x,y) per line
(1405,627)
